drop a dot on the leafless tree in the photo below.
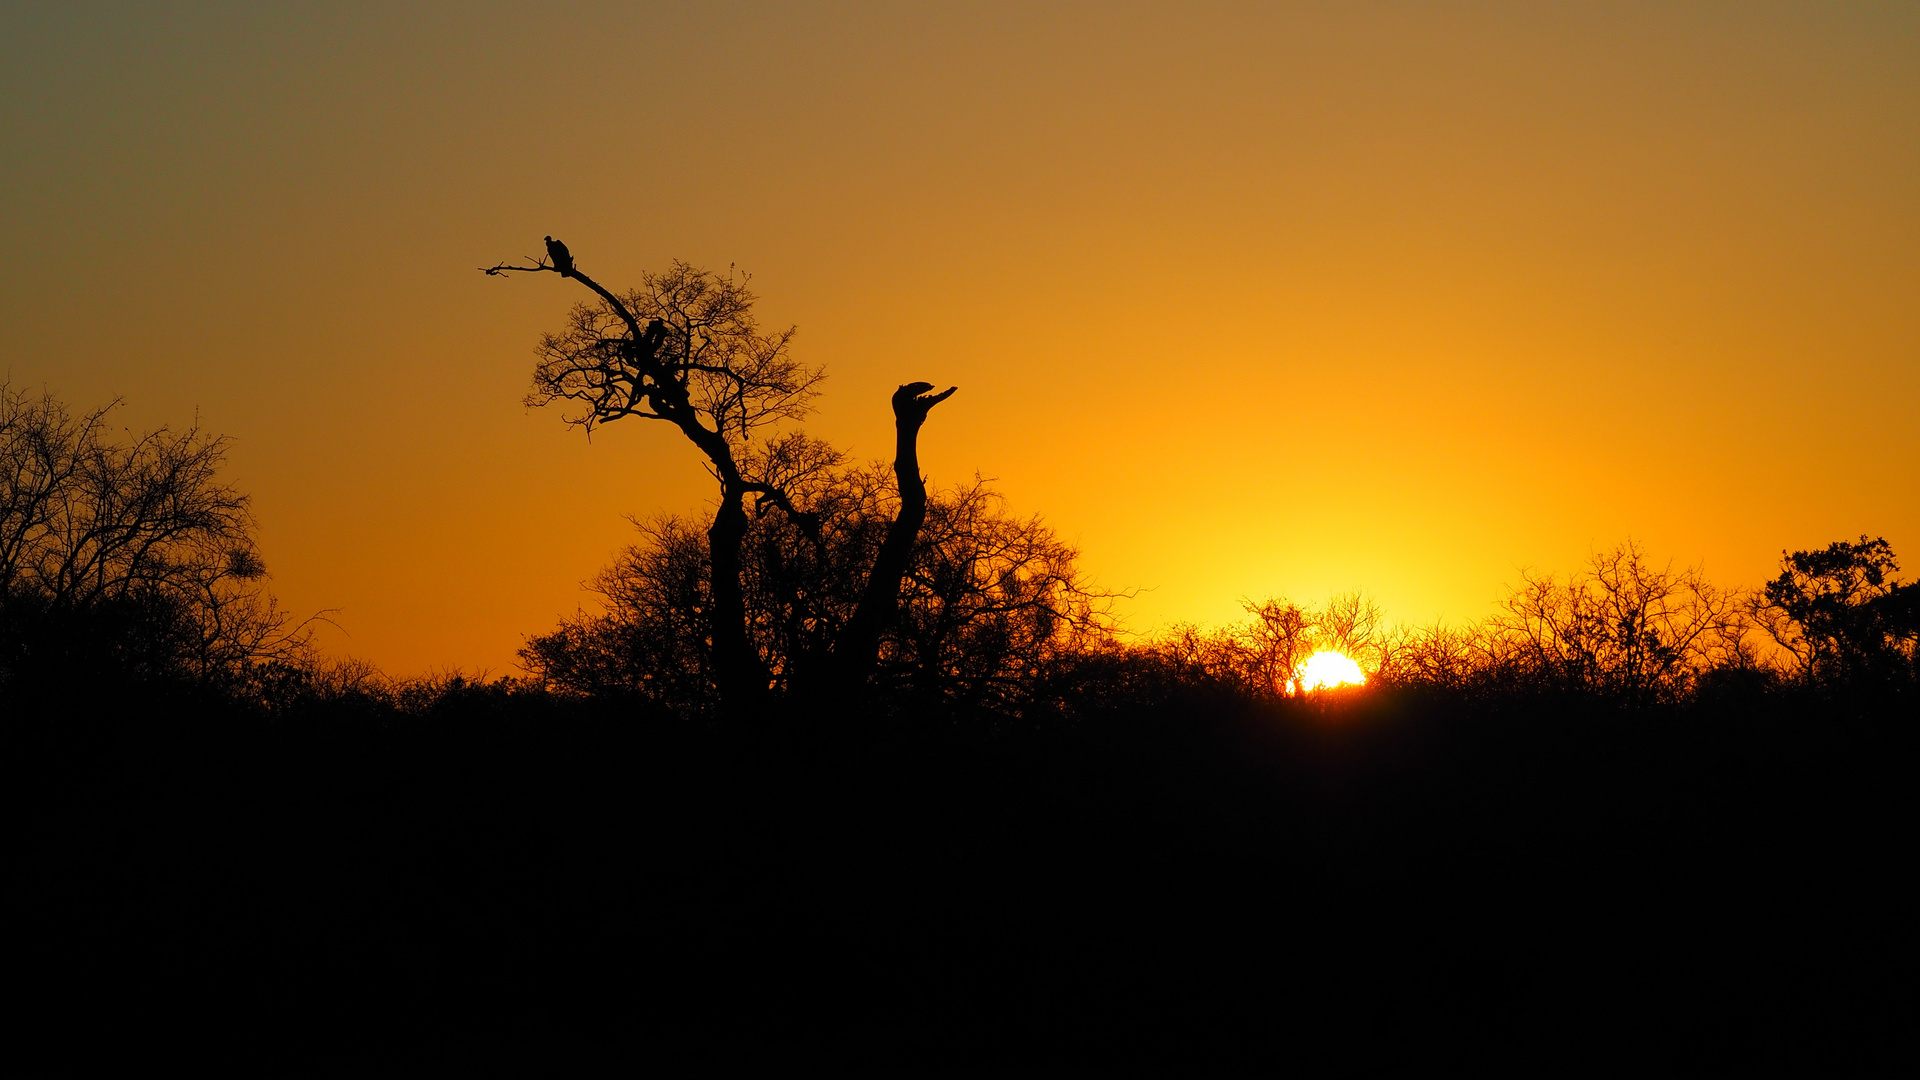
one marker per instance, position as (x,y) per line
(1354,626)
(1625,628)
(1265,654)
(1436,655)
(684,348)
(1280,637)
(989,601)
(135,548)
(654,639)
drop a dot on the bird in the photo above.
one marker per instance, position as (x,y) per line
(562,258)
(656,333)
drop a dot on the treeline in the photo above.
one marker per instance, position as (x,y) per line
(132,560)
(1625,630)
(996,620)
(822,585)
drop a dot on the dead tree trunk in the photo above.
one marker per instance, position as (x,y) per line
(739,674)
(859,648)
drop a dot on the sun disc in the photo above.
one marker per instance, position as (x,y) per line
(1327,669)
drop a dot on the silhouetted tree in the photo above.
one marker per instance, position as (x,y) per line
(1625,629)
(1437,656)
(655,639)
(684,348)
(1262,657)
(1839,613)
(129,555)
(986,602)
(1353,625)
(1278,640)
(990,603)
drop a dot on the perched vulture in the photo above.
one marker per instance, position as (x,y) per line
(562,258)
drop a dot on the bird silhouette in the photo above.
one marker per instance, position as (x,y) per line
(562,258)
(651,338)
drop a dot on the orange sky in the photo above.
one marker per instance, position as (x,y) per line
(1372,296)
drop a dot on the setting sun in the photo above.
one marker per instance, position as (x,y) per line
(1328,669)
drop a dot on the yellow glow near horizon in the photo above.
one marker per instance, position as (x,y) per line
(1327,669)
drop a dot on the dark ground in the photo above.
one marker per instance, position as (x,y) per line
(1381,884)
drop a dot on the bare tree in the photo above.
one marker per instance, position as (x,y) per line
(1625,628)
(1280,638)
(1436,655)
(989,601)
(1354,626)
(654,639)
(127,552)
(684,348)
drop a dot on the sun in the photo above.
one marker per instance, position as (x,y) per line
(1327,669)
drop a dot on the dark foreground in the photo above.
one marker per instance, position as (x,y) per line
(513,884)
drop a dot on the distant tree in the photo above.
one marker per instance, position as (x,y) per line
(654,640)
(1839,612)
(1280,637)
(684,348)
(1438,656)
(1263,656)
(1624,629)
(130,555)
(1354,626)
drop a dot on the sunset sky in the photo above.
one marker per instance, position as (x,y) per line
(1245,300)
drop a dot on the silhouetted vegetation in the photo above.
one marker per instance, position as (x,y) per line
(125,558)
(1633,818)
(987,602)
(1840,617)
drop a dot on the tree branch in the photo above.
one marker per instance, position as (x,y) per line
(503,269)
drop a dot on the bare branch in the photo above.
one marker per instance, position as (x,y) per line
(503,269)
